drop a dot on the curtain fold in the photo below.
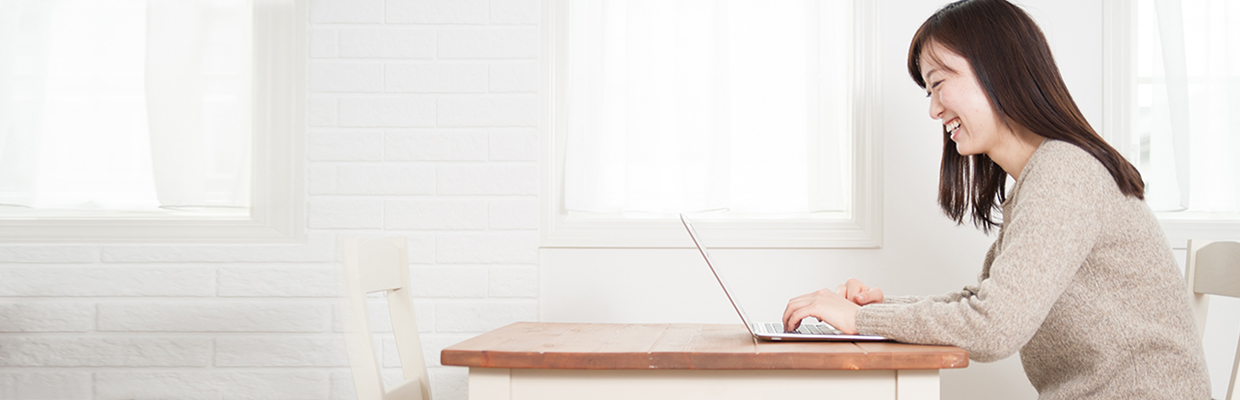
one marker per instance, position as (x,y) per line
(71,82)
(23,56)
(197,103)
(1189,94)
(124,105)
(174,37)
(1175,66)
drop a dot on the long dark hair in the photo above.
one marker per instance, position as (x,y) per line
(1013,63)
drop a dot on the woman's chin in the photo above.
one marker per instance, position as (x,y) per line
(965,150)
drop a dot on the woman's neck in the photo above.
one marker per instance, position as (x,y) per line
(1013,154)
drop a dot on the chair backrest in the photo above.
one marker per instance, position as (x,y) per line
(370,265)
(1213,268)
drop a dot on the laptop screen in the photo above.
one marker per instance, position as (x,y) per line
(722,283)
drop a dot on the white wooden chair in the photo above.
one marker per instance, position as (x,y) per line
(380,265)
(1213,268)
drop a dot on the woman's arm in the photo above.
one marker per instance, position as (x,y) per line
(1049,234)
(822,303)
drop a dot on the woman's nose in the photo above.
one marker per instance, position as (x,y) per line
(936,108)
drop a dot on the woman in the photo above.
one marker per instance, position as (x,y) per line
(1081,279)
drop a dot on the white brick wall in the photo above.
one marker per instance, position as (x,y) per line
(45,385)
(291,384)
(422,120)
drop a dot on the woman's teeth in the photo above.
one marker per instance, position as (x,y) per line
(952,127)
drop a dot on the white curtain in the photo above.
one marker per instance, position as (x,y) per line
(702,105)
(97,96)
(1188,88)
(198,107)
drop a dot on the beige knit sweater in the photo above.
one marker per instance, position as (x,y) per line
(1081,280)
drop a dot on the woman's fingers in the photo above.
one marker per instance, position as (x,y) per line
(859,293)
(801,307)
(854,287)
(824,305)
(792,321)
(872,296)
(827,305)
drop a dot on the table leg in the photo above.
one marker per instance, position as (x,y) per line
(917,384)
(490,383)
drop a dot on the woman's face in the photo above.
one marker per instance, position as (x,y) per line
(958,101)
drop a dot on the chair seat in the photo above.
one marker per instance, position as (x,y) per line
(409,390)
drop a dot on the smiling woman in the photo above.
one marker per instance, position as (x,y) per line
(1079,260)
(1037,100)
(960,102)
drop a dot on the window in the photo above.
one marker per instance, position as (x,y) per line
(1172,101)
(152,121)
(754,117)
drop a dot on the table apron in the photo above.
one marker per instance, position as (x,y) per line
(550,384)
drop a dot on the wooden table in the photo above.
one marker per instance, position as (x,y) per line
(536,360)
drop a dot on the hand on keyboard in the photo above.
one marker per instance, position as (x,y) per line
(823,305)
(811,328)
(817,329)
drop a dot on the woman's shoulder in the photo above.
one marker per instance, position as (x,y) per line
(1059,166)
(1061,152)
(1058,160)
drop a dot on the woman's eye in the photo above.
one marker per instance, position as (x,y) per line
(933,85)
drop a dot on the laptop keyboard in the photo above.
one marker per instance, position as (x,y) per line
(805,328)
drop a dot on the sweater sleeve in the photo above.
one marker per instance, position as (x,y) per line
(1047,237)
(902,299)
(940,298)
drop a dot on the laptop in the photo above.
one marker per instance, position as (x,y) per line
(774,331)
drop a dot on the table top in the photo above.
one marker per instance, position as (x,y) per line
(546,345)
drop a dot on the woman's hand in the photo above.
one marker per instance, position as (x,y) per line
(826,306)
(859,293)
(838,308)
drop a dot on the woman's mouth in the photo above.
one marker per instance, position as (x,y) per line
(952,127)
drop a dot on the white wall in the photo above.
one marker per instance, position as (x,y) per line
(423,123)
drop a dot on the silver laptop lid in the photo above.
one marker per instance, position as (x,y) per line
(745,319)
(698,243)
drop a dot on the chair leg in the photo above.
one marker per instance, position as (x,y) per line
(1235,373)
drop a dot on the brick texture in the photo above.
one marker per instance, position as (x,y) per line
(437,78)
(46,317)
(292,384)
(395,43)
(105,351)
(325,351)
(438,11)
(502,43)
(421,122)
(46,385)
(215,317)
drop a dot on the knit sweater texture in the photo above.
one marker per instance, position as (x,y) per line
(1081,280)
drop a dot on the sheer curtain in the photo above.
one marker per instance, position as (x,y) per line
(1188,104)
(737,106)
(198,103)
(122,105)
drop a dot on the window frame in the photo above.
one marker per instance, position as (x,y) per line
(276,206)
(1119,29)
(862,229)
